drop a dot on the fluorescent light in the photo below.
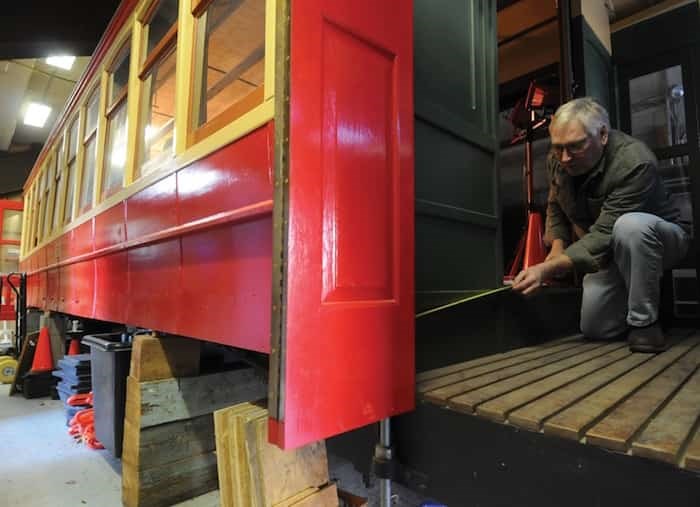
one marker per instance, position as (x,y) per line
(62,62)
(36,114)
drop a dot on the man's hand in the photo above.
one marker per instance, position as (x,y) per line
(556,250)
(531,279)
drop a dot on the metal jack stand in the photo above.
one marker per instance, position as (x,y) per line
(384,462)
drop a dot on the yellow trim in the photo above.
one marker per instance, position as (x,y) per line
(270,30)
(79,160)
(194,98)
(25,216)
(132,105)
(184,155)
(53,188)
(101,139)
(184,69)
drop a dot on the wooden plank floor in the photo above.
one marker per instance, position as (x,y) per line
(600,394)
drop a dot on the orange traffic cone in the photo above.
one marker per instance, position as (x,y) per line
(74,348)
(43,359)
(534,246)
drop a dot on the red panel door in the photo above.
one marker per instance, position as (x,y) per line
(343,324)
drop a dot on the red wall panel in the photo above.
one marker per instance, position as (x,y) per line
(111,287)
(154,297)
(235,176)
(152,209)
(52,284)
(226,285)
(82,239)
(109,227)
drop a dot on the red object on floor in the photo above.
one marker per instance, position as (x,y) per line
(43,359)
(534,245)
(74,348)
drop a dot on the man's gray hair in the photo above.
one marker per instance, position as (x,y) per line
(588,111)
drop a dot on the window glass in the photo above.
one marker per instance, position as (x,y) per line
(158,126)
(11,224)
(93,109)
(73,139)
(120,75)
(233,63)
(115,152)
(163,18)
(657,107)
(88,181)
(70,190)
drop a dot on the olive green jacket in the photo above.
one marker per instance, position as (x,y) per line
(624,180)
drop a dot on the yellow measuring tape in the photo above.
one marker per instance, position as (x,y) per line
(464,300)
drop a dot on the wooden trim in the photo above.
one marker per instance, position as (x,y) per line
(238,215)
(117,102)
(199,6)
(146,15)
(184,76)
(252,120)
(161,50)
(80,162)
(235,110)
(649,13)
(101,139)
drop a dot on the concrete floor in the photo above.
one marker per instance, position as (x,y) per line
(42,466)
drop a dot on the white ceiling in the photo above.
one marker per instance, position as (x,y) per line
(27,80)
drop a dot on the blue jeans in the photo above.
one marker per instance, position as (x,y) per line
(626,292)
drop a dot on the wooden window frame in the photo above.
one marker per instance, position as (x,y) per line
(68,215)
(164,48)
(87,137)
(255,98)
(112,107)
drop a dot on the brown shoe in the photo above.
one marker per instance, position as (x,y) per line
(647,339)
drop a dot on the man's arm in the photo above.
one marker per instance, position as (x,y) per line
(531,279)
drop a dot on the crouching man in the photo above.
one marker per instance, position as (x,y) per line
(606,196)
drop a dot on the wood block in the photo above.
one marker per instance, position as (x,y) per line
(281,474)
(296,498)
(575,420)
(326,497)
(533,414)
(155,358)
(246,490)
(501,364)
(155,458)
(664,437)
(170,400)
(618,428)
(499,408)
(352,500)
(222,430)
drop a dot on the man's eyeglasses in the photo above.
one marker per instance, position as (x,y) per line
(573,148)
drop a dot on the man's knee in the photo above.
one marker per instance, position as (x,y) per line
(632,228)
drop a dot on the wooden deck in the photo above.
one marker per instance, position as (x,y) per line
(600,394)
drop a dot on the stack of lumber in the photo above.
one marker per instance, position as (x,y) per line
(169,439)
(255,473)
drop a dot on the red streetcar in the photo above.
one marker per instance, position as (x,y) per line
(242,172)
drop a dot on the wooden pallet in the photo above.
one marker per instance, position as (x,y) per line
(597,393)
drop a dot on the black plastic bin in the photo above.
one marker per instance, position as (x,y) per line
(110,357)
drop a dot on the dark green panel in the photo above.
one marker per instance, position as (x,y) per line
(453,172)
(454,56)
(452,255)
(457,208)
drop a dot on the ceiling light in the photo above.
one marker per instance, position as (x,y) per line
(62,62)
(36,114)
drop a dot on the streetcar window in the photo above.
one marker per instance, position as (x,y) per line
(230,62)
(157,123)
